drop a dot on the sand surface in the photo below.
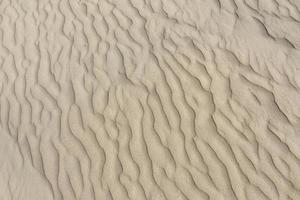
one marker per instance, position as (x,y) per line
(149,99)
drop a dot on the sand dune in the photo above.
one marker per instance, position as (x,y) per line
(149,99)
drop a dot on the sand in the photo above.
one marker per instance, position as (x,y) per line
(149,99)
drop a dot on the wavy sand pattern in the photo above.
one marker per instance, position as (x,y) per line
(149,99)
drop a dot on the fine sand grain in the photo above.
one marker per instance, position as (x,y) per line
(149,99)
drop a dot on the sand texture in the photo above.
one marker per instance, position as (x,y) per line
(149,99)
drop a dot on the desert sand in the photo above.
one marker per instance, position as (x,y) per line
(149,100)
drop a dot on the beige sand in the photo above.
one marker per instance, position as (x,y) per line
(149,99)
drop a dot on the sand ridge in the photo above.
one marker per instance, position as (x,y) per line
(149,99)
